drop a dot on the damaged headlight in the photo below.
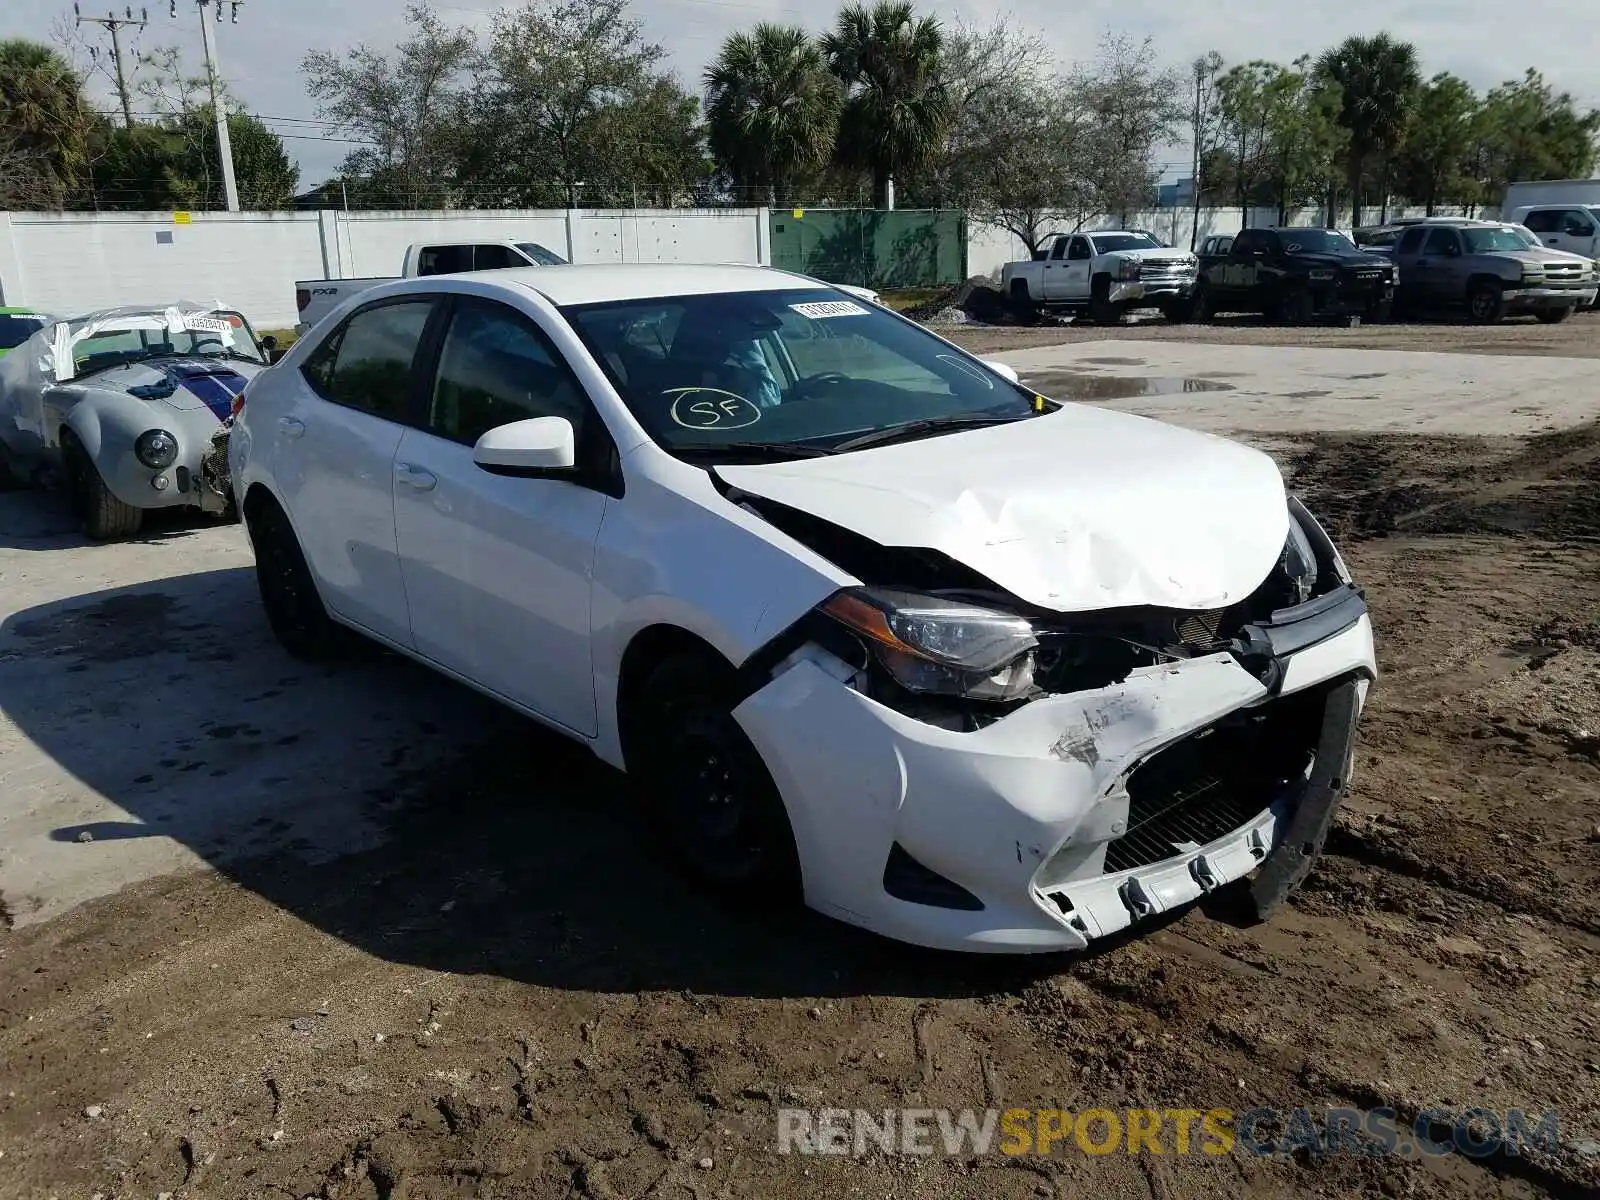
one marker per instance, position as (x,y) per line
(1128,268)
(939,644)
(1299,562)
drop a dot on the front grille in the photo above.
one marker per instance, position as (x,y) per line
(1214,781)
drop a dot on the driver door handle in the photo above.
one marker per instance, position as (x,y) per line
(291,426)
(416,477)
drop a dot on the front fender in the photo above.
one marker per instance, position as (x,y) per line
(107,425)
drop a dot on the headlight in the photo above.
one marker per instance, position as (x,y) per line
(1299,562)
(156,448)
(1320,274)
(1128,268)
(941,645)
(1301,518)
(1532,274)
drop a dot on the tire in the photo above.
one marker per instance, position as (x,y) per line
(712,799)
(104,517)
(1486,302)
(1179,312)
(1101,310)
(1553,316)
(1020,302)
(1379,311)
(1202,305)
(288,593)
(1295,307)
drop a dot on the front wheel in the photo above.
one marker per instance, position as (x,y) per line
(1102,310)
(1179,312)
(1379,311)
(1486,302)
(104,517)
(712,797)
(1553,316)
(1297,307)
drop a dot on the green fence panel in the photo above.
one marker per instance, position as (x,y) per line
(906,248)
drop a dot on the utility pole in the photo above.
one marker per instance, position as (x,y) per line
(214,77)
(115,23)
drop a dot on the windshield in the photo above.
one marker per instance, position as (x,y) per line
(204,338)
(805,370)
(1504,237)
(14,330)
(545,258)
(1314,241)
(1110,243)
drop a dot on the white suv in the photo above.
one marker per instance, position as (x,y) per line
(870,621)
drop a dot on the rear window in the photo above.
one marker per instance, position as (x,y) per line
(16,329)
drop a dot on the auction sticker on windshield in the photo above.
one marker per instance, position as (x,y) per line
(207,324)
(829,308)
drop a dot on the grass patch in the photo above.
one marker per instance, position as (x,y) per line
(910,297)
(286,337)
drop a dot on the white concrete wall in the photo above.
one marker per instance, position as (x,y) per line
(69,263)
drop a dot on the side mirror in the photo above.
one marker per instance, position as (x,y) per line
(1040,255)
(1004,370)
(269,343)
(534,446)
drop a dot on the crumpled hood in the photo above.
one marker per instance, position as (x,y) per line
(1082,509)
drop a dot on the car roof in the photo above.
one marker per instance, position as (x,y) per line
(597,283)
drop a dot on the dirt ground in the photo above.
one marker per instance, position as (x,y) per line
(475,1009)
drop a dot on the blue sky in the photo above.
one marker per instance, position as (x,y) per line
(260,56)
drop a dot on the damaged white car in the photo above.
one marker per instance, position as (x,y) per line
(869,621)
(128,407)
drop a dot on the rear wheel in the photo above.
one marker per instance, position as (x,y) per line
(1486,302)
(712,798)
(1021,302)
(103,515)
(1553,316)
(288,593)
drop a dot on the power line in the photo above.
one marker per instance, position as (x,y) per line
(115,24)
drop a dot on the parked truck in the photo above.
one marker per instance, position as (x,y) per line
(1105,273)
(1293,275)
(316,298)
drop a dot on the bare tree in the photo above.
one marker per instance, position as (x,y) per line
(1136,105)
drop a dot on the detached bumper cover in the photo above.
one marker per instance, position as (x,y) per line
(1031,817)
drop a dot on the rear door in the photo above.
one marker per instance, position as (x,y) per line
(333,446)
(497,568)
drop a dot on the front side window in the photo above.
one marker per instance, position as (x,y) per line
(1411,240)
(367,363)
(1080,249)
(1253,241)
(1440,241)
(496,368)
(803,370)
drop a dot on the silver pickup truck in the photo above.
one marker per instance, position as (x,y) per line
(316,298)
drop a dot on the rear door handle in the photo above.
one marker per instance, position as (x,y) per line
(416,477)
(291,427)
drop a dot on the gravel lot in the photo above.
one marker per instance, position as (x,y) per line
(356,933)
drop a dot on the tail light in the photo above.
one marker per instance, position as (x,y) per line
(302,297)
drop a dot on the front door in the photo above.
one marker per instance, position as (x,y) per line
(1432,274)
(497,569)
(1074,282)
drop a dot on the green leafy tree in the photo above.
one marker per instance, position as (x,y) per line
(46,126)
(896,107)
(409,110)
(1378,80)
(1245,124)
(1526,130)
(1305,141)
(772,110)
(571,103)
(1440,144)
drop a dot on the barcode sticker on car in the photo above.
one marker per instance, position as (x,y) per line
(207,324)
(829,308)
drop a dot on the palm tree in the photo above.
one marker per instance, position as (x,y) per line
(896,108)
(43,113)
(1378,79)
(772,109)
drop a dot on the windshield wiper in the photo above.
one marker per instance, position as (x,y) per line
(916,429)
(766,451)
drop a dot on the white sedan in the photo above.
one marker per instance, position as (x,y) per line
(874,624)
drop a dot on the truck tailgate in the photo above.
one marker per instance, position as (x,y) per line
(316,298)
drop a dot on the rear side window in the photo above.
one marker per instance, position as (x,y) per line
(366,364)
(496,258)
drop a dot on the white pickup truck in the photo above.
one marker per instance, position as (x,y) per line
(1104,273)
(316,298)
